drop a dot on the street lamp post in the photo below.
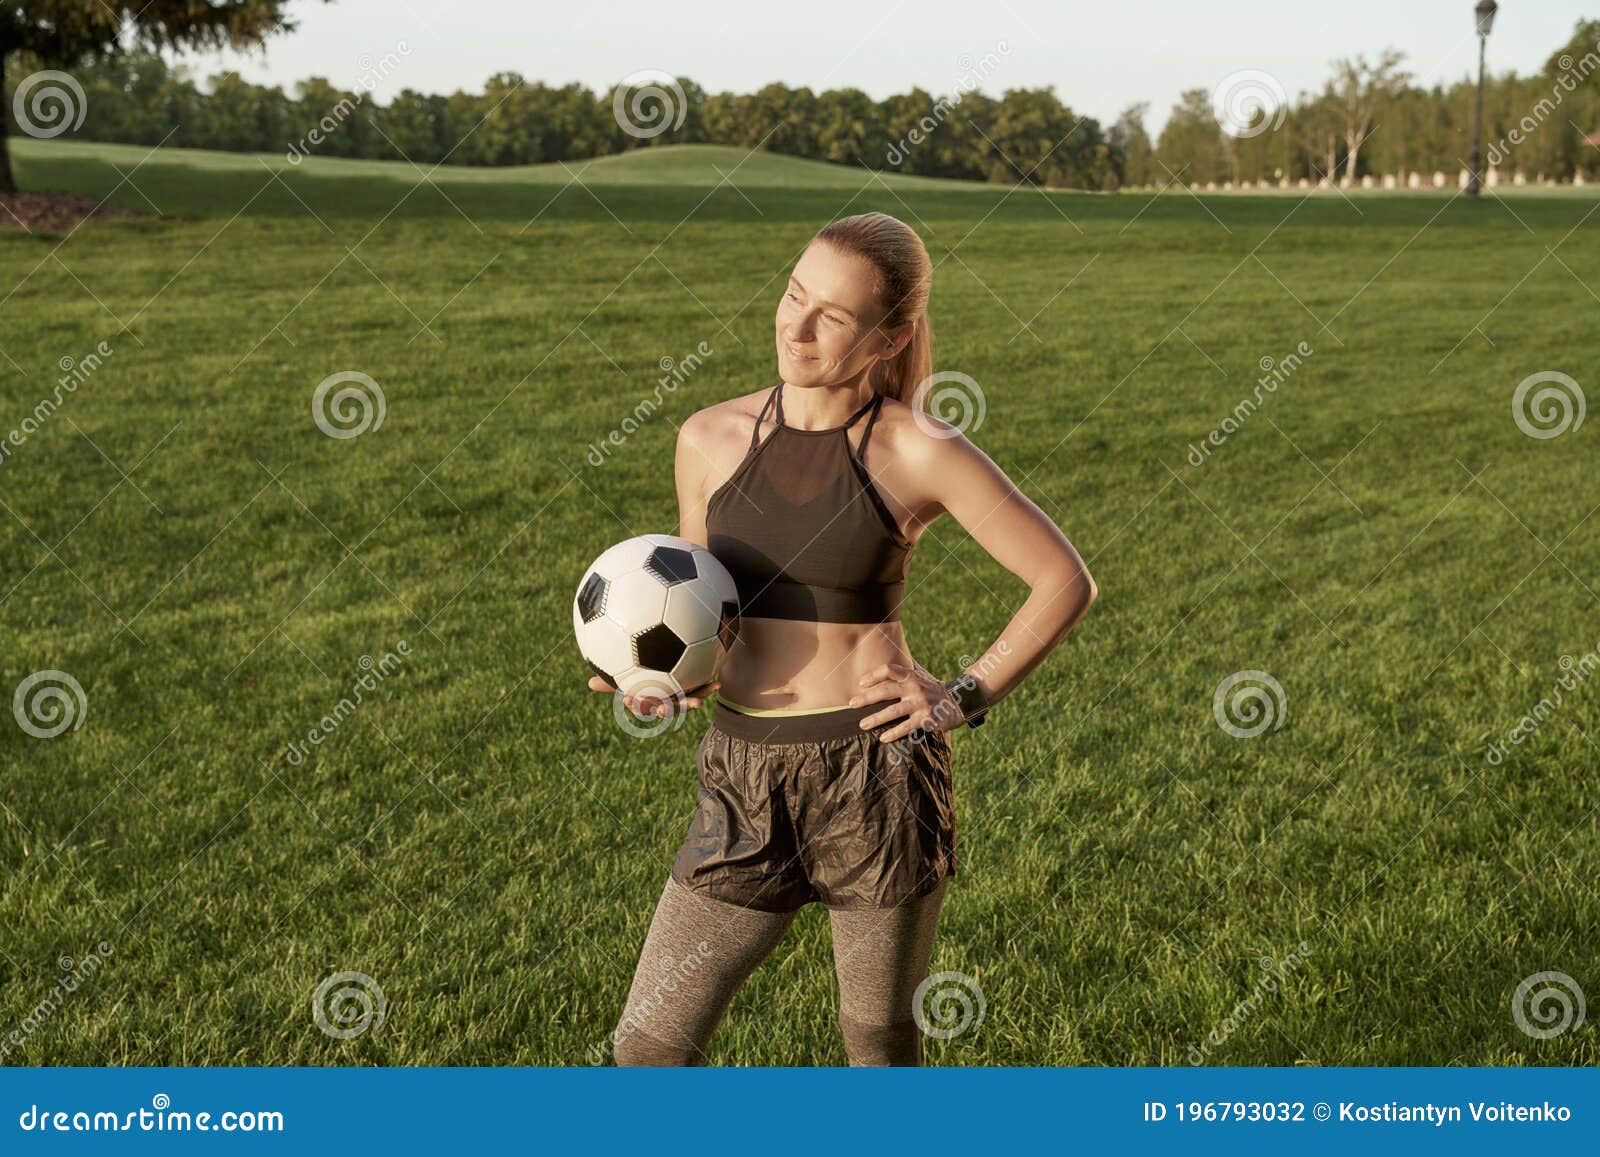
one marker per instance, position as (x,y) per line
(1485,11)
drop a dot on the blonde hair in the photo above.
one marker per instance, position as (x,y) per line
(905,277)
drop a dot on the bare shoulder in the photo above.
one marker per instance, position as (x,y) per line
(920,440)
(713,441)
(720,422)
(919,461)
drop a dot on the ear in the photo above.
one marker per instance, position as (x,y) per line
(897,341)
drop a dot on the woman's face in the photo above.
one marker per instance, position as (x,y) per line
(828,321)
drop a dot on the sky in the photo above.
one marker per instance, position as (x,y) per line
(1101,57)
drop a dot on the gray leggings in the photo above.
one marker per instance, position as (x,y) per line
(699,951)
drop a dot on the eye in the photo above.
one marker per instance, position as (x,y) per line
(835,320)
(790,295)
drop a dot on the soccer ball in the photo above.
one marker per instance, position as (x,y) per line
(656,615)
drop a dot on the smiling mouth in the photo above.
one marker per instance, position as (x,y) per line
(796,354)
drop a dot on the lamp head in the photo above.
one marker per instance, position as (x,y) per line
(1486,10)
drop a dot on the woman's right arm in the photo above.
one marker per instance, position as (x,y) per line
(692,469)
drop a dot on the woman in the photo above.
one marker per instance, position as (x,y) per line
(825,775)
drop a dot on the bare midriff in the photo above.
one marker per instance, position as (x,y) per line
(788,664)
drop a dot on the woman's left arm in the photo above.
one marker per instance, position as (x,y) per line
(964,482)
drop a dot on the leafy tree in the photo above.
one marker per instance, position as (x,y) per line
(1362,88)
(64,33)
(911,122)
(1129,140)
(849,130)
(236,114)
(1579,116)
(1190,145)
(1323,121)
(1036,139)
(784,118)
(414,124)
(723,116)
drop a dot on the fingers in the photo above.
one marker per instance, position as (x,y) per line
(899,709)
(695,697)
(598,684)
(655,706)
(884,671)
(905,729)
(880,693)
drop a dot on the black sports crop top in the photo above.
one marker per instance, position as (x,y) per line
(803,531)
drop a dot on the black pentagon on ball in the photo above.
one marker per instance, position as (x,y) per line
(608,678)
(671,565)
(592,598)
(659,648)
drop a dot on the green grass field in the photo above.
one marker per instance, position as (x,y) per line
(483,840)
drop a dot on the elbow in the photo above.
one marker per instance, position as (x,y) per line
(1074,586)
(1090,588)
(1080,583)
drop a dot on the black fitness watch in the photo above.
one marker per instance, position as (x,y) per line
(969,698)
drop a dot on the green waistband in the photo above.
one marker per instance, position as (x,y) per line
(769,711)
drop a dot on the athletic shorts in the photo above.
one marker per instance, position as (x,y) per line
(800,808)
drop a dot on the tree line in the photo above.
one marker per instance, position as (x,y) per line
(1369,118)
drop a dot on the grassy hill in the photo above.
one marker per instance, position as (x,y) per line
(644,184)
(688,165)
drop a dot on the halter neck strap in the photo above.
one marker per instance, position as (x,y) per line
(777,400)
(877,407)
(761,417)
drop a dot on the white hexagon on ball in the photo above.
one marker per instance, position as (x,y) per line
(699,663)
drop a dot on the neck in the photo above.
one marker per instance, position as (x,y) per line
(823,407)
